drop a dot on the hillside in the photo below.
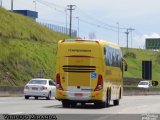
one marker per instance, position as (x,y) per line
(26,49)
(135,63)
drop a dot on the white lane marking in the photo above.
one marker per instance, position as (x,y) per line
(2,102)
(17,113)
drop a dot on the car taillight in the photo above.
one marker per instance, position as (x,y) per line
(43,88)
(99,83)
(26,87)
(58,82)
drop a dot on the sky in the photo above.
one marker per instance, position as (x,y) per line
(101,17)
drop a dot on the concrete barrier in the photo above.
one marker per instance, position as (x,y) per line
(7,91)
(127,91)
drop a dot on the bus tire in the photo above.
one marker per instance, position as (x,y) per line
(100,104)
(26,97)
(103,105)
(116,102)
(120,94)
(36,97)
(74,104)
(108,97)
(83,104)
(65,104)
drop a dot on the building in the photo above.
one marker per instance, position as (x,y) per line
(31,14)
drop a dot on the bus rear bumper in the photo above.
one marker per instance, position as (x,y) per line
(79,96)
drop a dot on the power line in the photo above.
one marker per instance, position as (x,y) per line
(99,26)
(91,21)
(94,19)
(53,4)
(102,25)
(50,6)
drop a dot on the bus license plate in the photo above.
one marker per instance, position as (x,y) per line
(78,94)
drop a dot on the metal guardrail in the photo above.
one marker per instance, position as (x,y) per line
(129,91)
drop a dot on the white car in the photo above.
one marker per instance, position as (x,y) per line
(144,84)
(40,87)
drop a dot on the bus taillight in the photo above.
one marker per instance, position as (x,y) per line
(58,82)
(99,83)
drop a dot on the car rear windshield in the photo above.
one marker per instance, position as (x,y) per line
(143,83)
(41,82)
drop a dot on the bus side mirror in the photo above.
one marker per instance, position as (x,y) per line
(154,83)
(126,67)
(124,64)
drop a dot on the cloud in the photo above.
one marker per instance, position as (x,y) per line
(139,41)
(120,8)
(154,35)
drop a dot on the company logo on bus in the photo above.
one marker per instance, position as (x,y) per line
(78,50)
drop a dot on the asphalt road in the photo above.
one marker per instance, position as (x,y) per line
(133,105)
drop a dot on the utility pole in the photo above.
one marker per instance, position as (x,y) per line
(1,3)
(11,5)
(127,38)
(70,26)
(131,29)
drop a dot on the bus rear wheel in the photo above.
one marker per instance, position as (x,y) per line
(108,98)
(73,105)
(100,104)
(116,102)
(26,97)
(65,104)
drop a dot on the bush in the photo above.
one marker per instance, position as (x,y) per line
(129,54)
(158,58)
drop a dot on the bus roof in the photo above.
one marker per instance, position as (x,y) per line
(84,40)
(102,42)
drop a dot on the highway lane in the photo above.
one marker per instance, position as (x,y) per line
(128,105)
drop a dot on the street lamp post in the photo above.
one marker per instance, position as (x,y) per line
(66,21)
(11,5)
(78,25)
(118,32)
(35,5)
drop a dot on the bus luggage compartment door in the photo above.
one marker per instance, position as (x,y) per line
(78,72)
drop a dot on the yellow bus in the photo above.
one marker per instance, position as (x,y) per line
(89,71)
